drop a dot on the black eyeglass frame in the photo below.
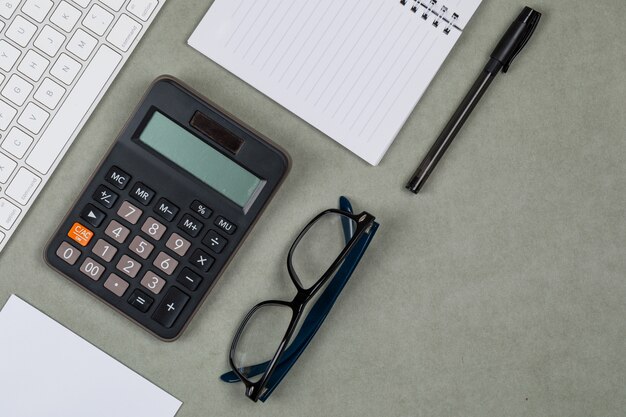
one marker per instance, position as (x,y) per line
(363,222)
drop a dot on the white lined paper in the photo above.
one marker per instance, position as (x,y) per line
(353,69)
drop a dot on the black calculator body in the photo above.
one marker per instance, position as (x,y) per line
(167,209)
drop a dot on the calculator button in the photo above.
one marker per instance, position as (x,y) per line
(225,225)
(105,196)
(171,306)
(189,279)
(214,241)
(80,234)
(201,260)
(116,285)
(141,247)
(201,209)
(166,209)
(178,244)
(190,225)
(129,266)
(140,301)
(117,232)
(165,263)
(153,282)
(92,269)
(68,253)
(104,250)
(94,216)
(118,178)
(153,228)
(142,193)
(129,212)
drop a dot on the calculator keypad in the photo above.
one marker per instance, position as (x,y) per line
(129,266)
(104,250)
(141,247)
(117,232)
(129,212)
(116,285)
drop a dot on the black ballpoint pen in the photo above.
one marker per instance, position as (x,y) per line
(507,49)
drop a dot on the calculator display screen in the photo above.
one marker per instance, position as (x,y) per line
(199,159)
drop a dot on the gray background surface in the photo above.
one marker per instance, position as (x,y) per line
(498,291)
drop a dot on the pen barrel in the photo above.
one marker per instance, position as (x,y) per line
(450,131)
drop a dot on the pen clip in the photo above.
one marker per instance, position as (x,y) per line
(532,21)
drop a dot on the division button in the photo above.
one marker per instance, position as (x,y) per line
(142,193)
(93,215)
(214,241)
(140,300)
(225,225)
(201,209)
(190,225)
(116,285)
(189,279)
(118,178)
(170,308)
(105,196)
(166,209)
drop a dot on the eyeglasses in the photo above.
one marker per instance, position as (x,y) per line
(274,333)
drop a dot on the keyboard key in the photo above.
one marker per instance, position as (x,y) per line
(23,186)
(105,196)
(21,31)
(65,16)
(68,253)
(98,20)
(225,225)
(82,3)
(165,263)
(124,32)
(189,279)
(129,212)
(104,250)
(9,213)
(33,65)
(141,247)
(142,193)
(7,113)
(93,215)
(214,241)
(7,7)
(166,209)
(17,142)
(49,40)
(190,225)
(82,44)
(117,177)
(37,9)
(178,244)
(170,307)
(116,285)
(77,104)
(201,209)
(201,260)
(114,4)
(66,69)
(49,93)
(8,55)
(33,118)
(153,228)
(129,266)
(92,269)
(79,234)
(153,282)
(140,301)
(7,166)
(17,89)
(117,232)
(142,8)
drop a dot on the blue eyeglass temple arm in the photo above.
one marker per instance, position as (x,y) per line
(319,311)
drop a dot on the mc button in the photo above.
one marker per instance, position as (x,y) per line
(118,178)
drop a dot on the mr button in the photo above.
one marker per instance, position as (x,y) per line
(117,177)
(142,193)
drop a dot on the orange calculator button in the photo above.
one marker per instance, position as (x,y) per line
(80,234)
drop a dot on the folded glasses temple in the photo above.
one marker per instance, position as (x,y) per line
(318,313)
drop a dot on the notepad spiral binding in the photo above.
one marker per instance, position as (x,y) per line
(440,14)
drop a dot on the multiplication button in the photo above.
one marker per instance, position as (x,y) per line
(170,308)
(201,260)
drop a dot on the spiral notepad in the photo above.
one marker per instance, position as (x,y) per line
(354,69)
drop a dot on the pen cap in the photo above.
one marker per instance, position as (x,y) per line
(516,37)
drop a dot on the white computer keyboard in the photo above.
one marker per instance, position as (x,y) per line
(57,59)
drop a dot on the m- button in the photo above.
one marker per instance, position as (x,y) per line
(166,209)
(142,193)
(118,178)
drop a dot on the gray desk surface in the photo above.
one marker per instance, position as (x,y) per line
(499,291)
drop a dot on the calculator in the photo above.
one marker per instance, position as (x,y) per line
(167,209)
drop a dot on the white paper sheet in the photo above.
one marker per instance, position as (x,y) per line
(354,69)
(48,371)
